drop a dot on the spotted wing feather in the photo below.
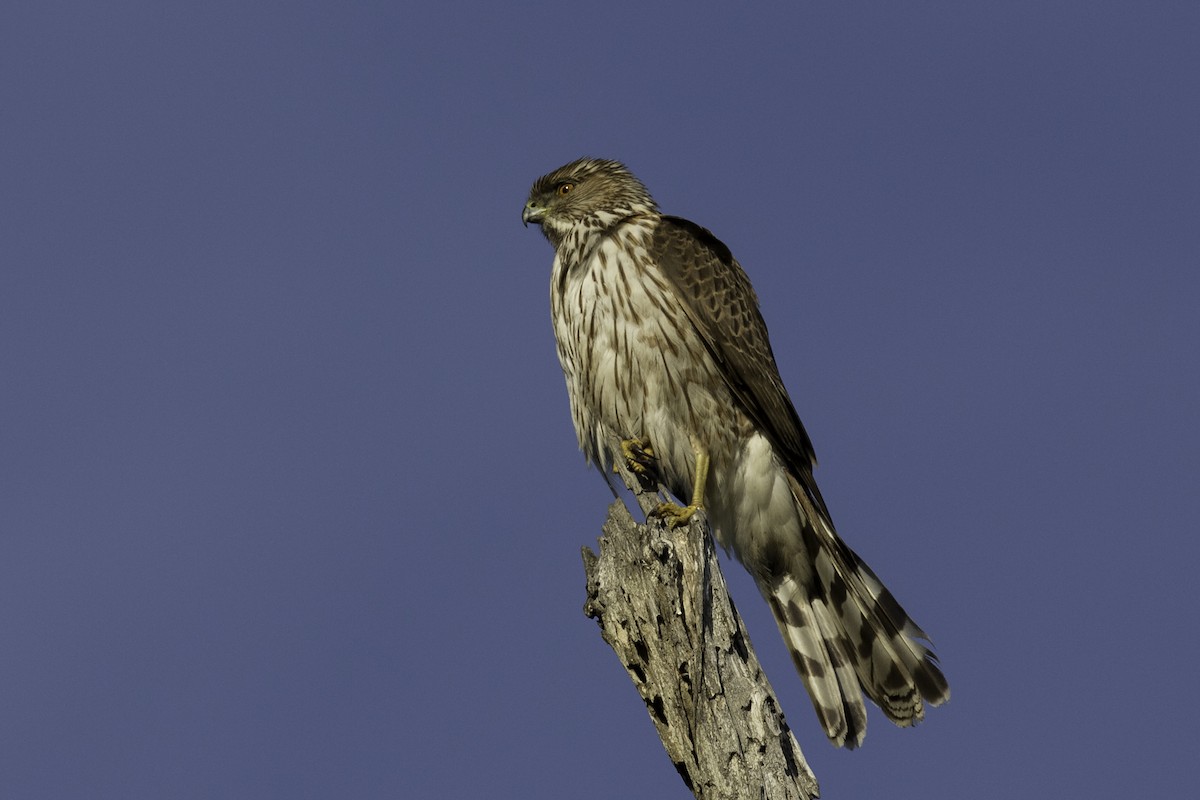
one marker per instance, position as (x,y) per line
(723,307)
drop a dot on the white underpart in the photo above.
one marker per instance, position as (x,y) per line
(762,502)
(619,358)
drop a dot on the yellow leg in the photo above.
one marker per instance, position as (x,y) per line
(674,515)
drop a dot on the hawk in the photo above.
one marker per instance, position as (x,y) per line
(669,370)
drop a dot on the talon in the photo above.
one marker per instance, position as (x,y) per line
(675,516)
(638,456)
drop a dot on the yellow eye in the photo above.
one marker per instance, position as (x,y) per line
(565,189)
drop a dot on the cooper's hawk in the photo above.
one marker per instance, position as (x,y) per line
(669,369)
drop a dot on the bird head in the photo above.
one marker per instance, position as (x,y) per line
(592,192)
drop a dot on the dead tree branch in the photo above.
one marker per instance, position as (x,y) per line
(663,606)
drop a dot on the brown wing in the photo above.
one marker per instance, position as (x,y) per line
(721,304)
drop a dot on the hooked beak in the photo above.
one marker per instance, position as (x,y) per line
(532,213)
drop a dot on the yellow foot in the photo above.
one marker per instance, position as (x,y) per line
(638,456)
(675,516)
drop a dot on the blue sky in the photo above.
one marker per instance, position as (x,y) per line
(290,502)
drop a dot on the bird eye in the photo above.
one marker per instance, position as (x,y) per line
(565,189)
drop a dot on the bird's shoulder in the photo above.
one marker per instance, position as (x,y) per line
(679,234)
(708,278)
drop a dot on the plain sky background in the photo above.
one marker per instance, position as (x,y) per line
(290,502)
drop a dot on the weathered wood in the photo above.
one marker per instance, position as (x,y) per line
(663,606)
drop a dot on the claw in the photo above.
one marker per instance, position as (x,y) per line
(675,516)
(638,456)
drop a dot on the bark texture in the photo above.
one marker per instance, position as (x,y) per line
(663,606)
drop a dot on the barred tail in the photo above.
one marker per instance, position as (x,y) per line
(848,635)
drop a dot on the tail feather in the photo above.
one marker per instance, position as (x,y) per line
(848,635)
(824,659)
(902,671)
